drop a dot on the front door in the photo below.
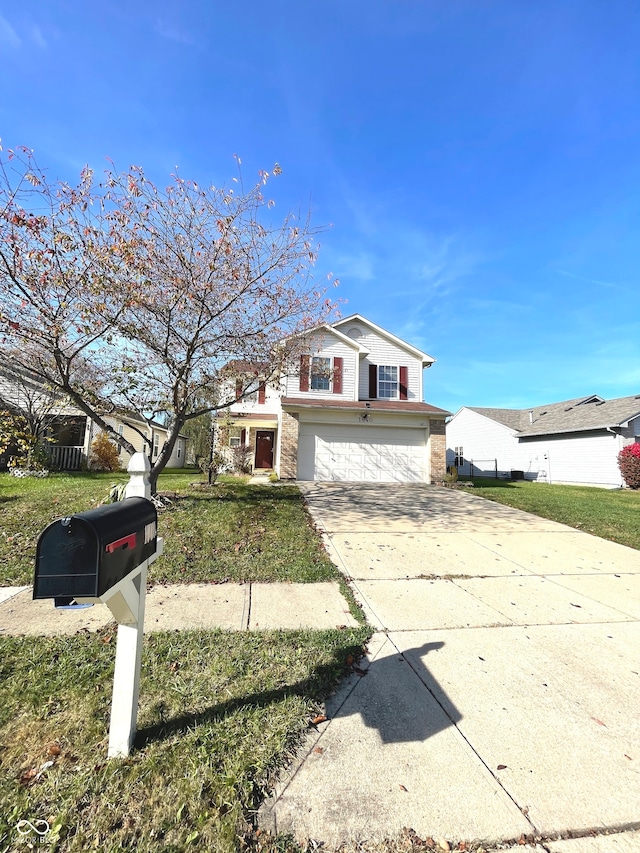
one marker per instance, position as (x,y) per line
(264,448)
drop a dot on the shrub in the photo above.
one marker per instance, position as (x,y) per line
(22,442)
(242,457)
(104,454)
(452,474)
(629,464)
(212,468)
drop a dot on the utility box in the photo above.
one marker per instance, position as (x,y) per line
(517,475)
(85,555)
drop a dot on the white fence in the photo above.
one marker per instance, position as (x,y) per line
(65,458)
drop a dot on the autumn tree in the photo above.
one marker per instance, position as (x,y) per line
(122,295)
(27,411)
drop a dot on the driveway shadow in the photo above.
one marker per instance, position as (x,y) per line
(392,695)
(396,695)
(349,505)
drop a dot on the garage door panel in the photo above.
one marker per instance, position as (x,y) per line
(362,454)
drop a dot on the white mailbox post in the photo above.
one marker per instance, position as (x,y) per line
(103,555)
(127,606)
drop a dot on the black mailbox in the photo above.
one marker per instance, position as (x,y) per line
(84,555)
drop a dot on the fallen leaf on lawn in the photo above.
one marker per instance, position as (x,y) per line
(174,666)
(236,547)
(53,749)
(106,640)
(599,722)
(319,719)
(502,767)
(28,776)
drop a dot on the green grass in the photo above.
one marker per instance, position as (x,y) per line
(219,713)
(610,514)
(232,531)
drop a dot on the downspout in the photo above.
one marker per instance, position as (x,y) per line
(619,448)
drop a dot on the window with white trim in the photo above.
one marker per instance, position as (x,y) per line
(459,457)
(388,382)
(234,441)
(156,444)
(320,374)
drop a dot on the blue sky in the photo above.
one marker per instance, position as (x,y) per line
(479,162)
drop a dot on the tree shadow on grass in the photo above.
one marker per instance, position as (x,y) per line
(313,688)
(399,697)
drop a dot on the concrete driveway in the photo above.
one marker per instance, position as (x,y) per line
(502,687)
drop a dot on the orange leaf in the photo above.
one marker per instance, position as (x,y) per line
(319,719)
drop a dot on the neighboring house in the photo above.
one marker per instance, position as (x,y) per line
(351,409)
(130,427)
(574,441)
(70,432)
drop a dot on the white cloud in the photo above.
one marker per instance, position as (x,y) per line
(38,37)
(8,36)
(173,33)
(597,281)
(359,267)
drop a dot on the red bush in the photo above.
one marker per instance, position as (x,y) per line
(629,464)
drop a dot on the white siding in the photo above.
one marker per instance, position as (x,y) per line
(327,346)
(271,405)
(487,443)
(588,458)
(579,458)
(383,351)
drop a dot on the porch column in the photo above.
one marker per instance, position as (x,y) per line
(437,451)
(289,447)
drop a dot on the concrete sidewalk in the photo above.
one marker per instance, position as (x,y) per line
(230,606)
(503,682)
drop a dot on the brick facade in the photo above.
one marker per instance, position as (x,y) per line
(289,447)
(437,450)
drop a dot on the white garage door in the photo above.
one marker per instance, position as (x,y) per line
(361,454)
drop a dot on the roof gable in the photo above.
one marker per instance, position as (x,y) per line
(358,318)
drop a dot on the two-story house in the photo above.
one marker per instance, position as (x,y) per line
(352,409)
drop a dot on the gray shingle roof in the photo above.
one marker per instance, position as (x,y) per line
(582,413)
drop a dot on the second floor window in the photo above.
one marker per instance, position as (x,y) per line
(387,382)
(320,374)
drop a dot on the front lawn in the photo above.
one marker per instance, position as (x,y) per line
(610,514)
(232,531)
(219,713)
